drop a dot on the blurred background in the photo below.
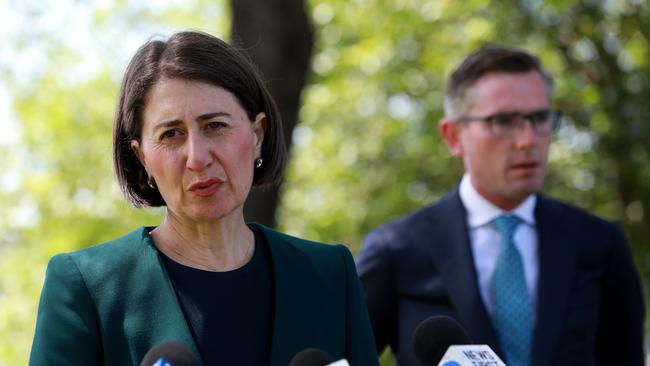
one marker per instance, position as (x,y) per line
(360,84)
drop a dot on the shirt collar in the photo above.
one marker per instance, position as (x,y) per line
(481,211)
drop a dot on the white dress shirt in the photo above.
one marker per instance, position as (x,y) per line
(486,240)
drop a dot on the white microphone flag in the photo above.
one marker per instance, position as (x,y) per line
(470,355)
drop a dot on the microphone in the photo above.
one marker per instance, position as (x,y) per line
(169,353)
(315,357)
(440,340)
(434,335)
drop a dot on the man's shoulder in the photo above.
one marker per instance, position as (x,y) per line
(423,219)
(586,231)
(570,214)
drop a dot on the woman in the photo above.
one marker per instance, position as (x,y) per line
(194,130)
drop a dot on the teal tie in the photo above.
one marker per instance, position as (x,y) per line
(512,311)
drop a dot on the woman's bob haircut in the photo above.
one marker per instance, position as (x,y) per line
(193,56)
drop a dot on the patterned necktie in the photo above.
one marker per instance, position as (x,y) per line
(512,310)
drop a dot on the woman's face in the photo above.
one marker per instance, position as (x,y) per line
(199,146)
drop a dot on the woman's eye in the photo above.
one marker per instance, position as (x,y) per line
(215,125)
(169,134)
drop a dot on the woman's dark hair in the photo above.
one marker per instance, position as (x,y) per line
(198,57)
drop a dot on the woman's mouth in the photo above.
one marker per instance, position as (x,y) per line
(205,188)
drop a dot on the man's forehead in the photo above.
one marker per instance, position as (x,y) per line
(508,79)
(501,89)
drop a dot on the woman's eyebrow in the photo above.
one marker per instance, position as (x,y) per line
(212,115)
(176,122)
(166,124)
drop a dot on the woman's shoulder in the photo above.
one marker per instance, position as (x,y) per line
(113,254)
(285,247)
(125,242)
(275,237)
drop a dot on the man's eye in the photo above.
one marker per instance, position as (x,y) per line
(505,119)
(540,116)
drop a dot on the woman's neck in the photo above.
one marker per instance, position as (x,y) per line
(219,246)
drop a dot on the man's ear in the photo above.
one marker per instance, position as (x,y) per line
(451,130)
(259,129)
(135,146)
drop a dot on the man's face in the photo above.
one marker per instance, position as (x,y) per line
(503,169)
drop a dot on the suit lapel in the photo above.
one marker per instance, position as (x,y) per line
(557,260)
(453,257)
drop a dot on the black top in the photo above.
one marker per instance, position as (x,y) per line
(230,314)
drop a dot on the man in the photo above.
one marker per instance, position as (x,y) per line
(541,282)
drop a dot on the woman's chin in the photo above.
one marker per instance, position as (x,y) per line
(210,213)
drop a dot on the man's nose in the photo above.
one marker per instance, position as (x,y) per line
(526,135)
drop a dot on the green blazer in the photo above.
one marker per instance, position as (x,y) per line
(109,304)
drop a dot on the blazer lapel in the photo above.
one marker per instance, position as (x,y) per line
(156,306)
(453,256)
(557,259)
(292,326)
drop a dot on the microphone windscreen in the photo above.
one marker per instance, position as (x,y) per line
(434,335)
(311,357)
(175,353)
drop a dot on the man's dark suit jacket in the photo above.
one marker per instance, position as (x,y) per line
(111,303)
(589,306)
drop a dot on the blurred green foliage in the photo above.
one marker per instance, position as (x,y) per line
(367,149)
(57,187)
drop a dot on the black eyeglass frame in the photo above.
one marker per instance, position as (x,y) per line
(508,124)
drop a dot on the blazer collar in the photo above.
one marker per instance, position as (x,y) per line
(163,315)
(453,256)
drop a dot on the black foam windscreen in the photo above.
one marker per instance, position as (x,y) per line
(434,335)
(175,353)
(311,357)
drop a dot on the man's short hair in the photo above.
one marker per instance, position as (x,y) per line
(485,60)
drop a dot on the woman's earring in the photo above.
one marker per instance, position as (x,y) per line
(258,163)
(151,183)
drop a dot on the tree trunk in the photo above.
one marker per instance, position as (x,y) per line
(278,36)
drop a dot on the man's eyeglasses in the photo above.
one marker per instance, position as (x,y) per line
(544,122)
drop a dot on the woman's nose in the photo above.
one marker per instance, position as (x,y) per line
(198,152)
